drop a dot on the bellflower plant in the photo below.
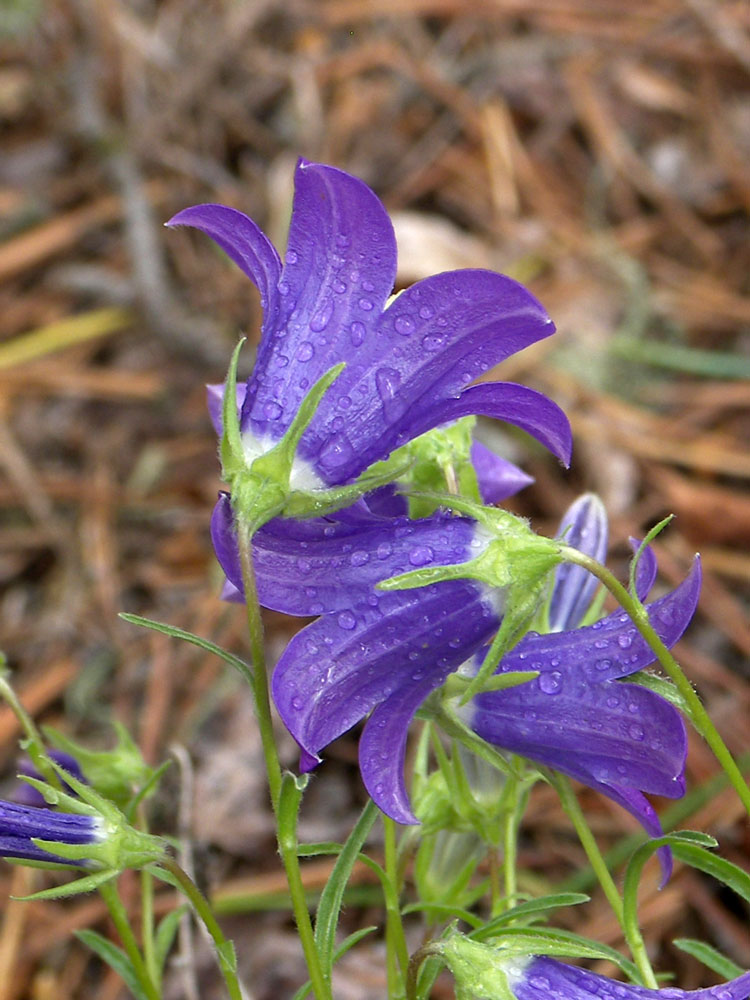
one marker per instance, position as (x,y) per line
(22,827)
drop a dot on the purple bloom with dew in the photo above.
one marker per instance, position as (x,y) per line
(409,363)
(21,825)
(385,655)
(544,978)
(620,739)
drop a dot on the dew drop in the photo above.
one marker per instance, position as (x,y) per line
(413,655)
(322,317)
(421,555)
(625,641)
(425,312)
(636,732)
(291,257)
(304,565)
(346,620)
(297,703)
(345,402)
(359,558)
(357,333)
(339,286)
(384,550)
(336,451)
(283,287)
(365,304)
(613,702)
(305,350)
(603,664)
(551,683)
(272,411)
(368,286)
(433,342)
(601,643)
(404,325)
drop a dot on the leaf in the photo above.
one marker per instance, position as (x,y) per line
(725,871)
(532,906)
(115,958)
(196,640)
(329,906)
(548,941)
(710,957)
(165,934)
(342,949)
(86,884)
(446,910)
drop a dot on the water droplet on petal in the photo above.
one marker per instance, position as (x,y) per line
(421,555)
(305,350)
(636,732)
(625,641)
(291,257)
(384,550)
(346,620)
(336,451)
(284,287)
(551,683)
(603,664)
(404,325)
(359,558)
(368,286)
(304,565)
(365,304)
(272,411)
(357,333)
(601,643)
(425,312)
(387,382)
(434,342)
(297,703)
(322,316)
(339,286)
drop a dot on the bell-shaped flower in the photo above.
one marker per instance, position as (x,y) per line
(576,716)
(543,978)
(408,363)
(383,656)
(22,827)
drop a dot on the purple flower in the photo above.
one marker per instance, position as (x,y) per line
(386,654)
(620,739)
(408,363)
(21,825)
(27,795)
(548,979)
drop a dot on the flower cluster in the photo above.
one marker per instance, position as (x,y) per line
(409,366)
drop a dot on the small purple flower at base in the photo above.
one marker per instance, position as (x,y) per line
(21,825)
(547,979)
(409,364)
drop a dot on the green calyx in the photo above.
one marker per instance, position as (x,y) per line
(440,460)
(116,774)
(515,561)
(261,489)
(117,845)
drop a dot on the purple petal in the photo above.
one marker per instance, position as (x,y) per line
(645,571)
(584,527)
(515,404)
(612,647)
(434,339)
(19,824)
(335,671)
(498,478)
(547,979)
(246,244)
(318,566)
(382,746)
(340,268)
(613,734)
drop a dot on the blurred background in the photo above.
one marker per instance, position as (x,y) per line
(598,151)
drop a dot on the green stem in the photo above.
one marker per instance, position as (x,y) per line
(147,926)
(574,812)
(511,822)
(119,916)
(397,951)
(286,819)
(431,950)
(258,662)
(34,743)
(286,824)
(224,948)
(699,716)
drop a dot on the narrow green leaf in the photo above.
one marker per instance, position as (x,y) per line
(530,908)
(115,958)
(710,957)
(329,906)
(342,949)
(165,934)
(196,640)
(446,910)
(561,943)
(725,871)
